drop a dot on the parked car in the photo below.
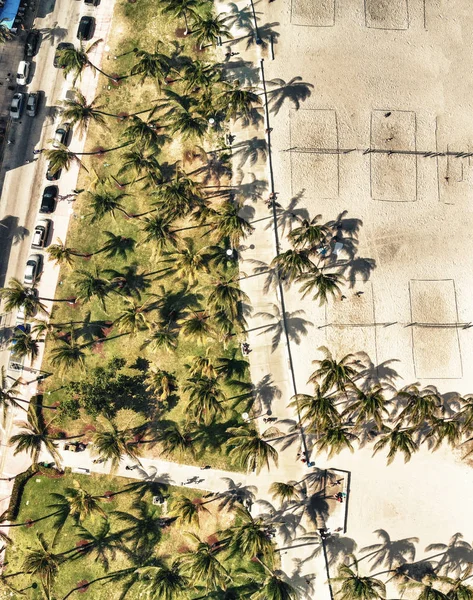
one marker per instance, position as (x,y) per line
(61,134)
(41,233)
(23,72)
(57,54)
(32,104)
(50,175)
(17,104)
(20,328)
(48,201)
(33,269)
(86,28)
(31,43)
(91,2)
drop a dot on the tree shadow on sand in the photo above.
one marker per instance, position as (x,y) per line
(295,91)
(296,326)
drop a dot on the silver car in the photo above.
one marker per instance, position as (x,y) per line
(33,269)
(16,107)
(61,135)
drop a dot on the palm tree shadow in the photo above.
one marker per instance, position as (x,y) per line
(239,18)
(263,268)
(295,325)
(382,374)
(358,268)
(177,302)
(252,190)
(54,34)
(247,212)
(90,330)
(265,392)
(254,118)
(285,216)
(131,282)
(10,230)
(339,546)
(390,552)
(265,36)
(237,493)
(251,151)
(244,71)
(455,556)
(295,90)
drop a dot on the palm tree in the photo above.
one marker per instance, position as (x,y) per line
(188,261)
(152,65)
(44,563)
(161,337)
(249,537)
(106,203)
(335,374)
(208,28)
(421,405)
(74,60)
(399,440)
(6,33)
(163,582)
(200,74)
(356,587)
(203,565)
(61,254)
(33,436)
(61,158)
(160,383)
(238,102)
(334,439)
(113,444)
(142,165)
(226,295)
(172,439)
(324,284)
(368,406)
(68,354)
(144,133)
(309,234)
(250,449)
(202,366)
(318,411)
(133,318)
(17,295)
(205,398)
(78,111)
(90,285)
(188,123)
(179,196)
(230,224)
(23,343)
(292,264)
(159,232)
(285,491)
(427,589)
(8,392)
(196,326)
(274,587)
(232,366)
(187,510)
(180,8)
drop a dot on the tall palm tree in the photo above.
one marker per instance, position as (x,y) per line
(322,283)
(317,411)
(332,374)
(62,254)
(68,354)
(292,264)
(421,405)
(160,337)
(159,232)
(17,295)
(77,111)
(188,262)
(200,74)
(80,503)
(238,102)
(208,28)
(399,440)
(285,491)
(203,565)
(230,224)
(75,60)
(62,158)
(160,383)
(44,563)
(152,65)
(144,133)
(274,587)
(250,449)
(33,436)
(357,587)
(368,406)
(113,444)
(226,295)
(196,326)
(334,439)
(133,318)
(89,285)
(187,510)
(6,33)
(249,537)
(8,392)
(179,196)
(172,439)
(142,164)
(180,9)
(23,343)
(205,398)
(163,582)
(309,234)
(106,203)
(426,587)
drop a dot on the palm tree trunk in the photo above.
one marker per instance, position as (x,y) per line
(103,72)
(30,522)
(104,577)
(101,151)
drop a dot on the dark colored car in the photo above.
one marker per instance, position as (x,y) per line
(57,55)
(32,104)
(48,201)
(86,28)
(31,43)
(50,175)
(91,2)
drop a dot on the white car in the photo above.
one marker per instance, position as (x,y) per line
(23,72)
(33,269)
(41,233)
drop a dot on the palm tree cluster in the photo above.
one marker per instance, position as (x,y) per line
(347,407)
(126,546)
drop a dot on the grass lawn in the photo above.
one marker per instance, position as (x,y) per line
(87,236)
(173,543)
